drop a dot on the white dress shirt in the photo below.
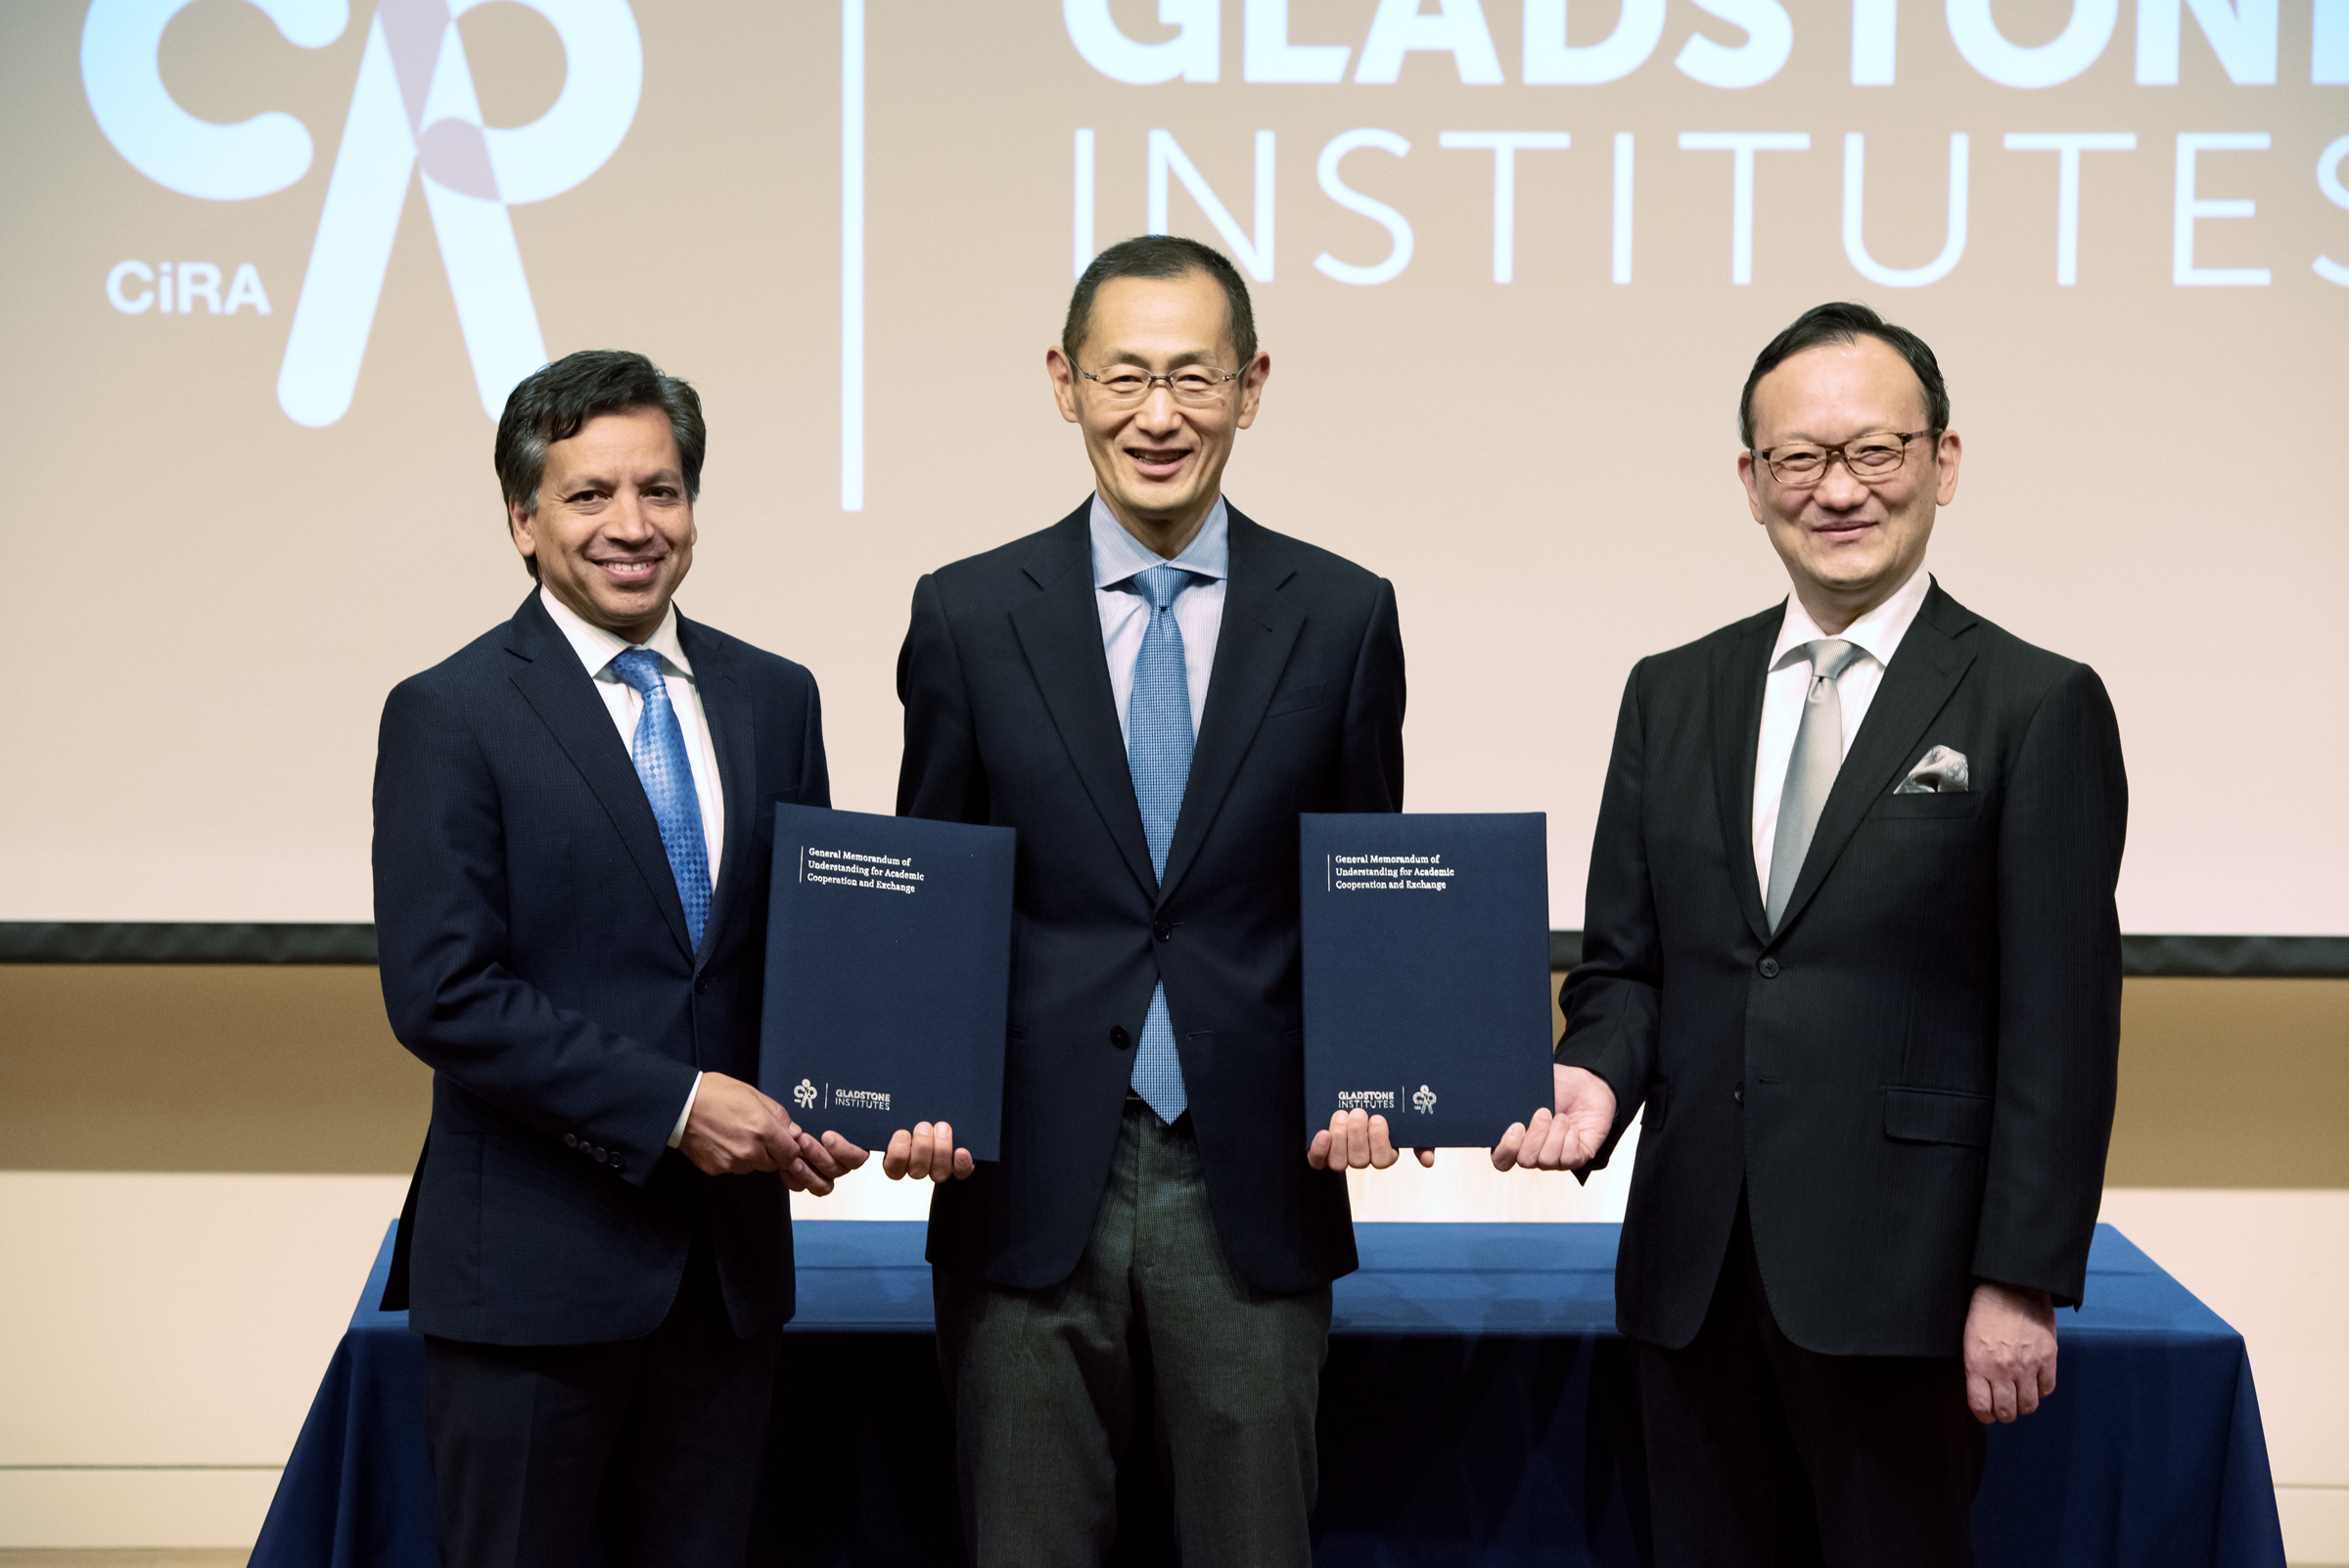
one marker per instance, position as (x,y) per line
(597,648)
(1877,635)
(1118,556)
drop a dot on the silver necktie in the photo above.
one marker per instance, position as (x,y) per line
(1810,772)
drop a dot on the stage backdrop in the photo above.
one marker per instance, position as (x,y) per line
(269,268)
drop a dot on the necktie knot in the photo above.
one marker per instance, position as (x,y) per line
(1161,583)
(1830,656)
(640,667)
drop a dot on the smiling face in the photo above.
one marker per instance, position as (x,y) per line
(1157,465)
(613,536)
(1848,545)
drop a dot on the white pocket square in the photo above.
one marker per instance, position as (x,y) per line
(1941,771)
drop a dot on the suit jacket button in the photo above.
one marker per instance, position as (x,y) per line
(1164,931)
(1738,1095)
(571,1140)
(1769,968)
(1119,1038)
(701,983)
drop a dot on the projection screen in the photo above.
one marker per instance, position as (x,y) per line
(271,267)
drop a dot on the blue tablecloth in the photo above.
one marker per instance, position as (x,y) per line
(1475,1409)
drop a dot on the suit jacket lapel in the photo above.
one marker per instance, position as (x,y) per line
(1060,632)
(1252,650)
(727,708)
(1739,672)
(559,690)
(1924,671)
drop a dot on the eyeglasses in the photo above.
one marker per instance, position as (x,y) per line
(1799,465)
(1193,386)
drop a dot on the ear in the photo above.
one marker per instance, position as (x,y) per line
(1252,387)
(1064,382)
(1945,455)
(518,523)
(1749,475)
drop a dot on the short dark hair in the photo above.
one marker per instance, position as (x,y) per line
(1160,255)
(554,402)
(1847,322)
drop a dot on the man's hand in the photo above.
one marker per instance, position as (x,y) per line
(822,1162)
(2009,1351)
(1567,1137)
(735,1129)
(1355,1140)
(927,1152)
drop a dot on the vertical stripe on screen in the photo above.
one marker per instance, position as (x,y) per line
(851,255)
(1084,200)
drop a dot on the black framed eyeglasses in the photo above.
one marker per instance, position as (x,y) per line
(1799,465)
(1193,386)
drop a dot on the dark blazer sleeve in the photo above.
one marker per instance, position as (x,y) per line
(2060,992)
(443,914)
(815,774)
(940,776)
(1370,778)
(1613,997)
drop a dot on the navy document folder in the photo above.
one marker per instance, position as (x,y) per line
(888,975)
(1427,973)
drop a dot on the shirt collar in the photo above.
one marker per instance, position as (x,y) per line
(597,648)
(1118,555)
(1878,633)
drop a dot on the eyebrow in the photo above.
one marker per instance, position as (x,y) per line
(598,481)
(1189,357)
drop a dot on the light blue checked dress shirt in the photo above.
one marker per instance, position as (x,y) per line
(1160,727)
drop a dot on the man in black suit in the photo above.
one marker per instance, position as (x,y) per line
(573,818)
(1150,691)
(1851,940)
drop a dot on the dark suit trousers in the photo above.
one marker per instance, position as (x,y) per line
(648,1448)
(1763,1453)
(1045,1384)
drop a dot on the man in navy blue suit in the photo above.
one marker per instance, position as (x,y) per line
(1150,691)
(573,826)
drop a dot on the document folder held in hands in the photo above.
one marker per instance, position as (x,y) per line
(888,975)
(1427,973)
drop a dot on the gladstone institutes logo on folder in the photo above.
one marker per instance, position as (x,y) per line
(1380,1099)
(808,1094)
(413,113)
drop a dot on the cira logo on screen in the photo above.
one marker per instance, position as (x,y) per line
(413,112)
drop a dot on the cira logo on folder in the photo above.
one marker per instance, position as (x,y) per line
(1424,1103)
(804,1094)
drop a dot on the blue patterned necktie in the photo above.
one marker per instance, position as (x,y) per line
(659,751)
(1158,750)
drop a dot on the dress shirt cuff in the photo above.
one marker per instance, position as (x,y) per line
(677,1134)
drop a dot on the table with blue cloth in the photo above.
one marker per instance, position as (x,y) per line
(1477,1408)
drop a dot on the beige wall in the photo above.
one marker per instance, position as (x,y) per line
(2224,1083)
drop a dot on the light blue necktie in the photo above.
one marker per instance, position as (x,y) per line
(660,755)
(1158,750)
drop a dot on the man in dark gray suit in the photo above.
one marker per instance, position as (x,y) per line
(1150,691)
(1851,940)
